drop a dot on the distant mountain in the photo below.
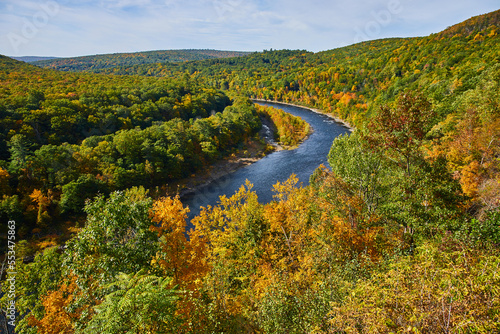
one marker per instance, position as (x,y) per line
(97,63)
(30,59)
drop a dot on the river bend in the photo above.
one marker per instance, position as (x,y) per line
(277,166)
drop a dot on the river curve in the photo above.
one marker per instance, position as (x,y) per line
(277,166)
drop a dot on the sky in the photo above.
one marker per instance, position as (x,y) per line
(68,28)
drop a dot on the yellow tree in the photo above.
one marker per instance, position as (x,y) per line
(232,232)
(288,217)
(43,202)
(182,259)
(179,258)
(471,144)
(57,319)
(347,229)
(4,182)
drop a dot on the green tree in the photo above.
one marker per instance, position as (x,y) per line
(19,148)
(54,165)
(35,98)
(11,209)
(75,193)
(140,303)
(352,160)
(115,239)
(397,134)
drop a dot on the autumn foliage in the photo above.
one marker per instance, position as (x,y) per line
(399,234)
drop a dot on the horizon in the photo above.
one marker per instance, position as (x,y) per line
(68,28)
(141,51)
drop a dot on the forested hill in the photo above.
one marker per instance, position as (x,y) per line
(473,25)
(50,121)
(99,62)
(85,133)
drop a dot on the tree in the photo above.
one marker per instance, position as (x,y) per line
(75,193)
(11,208)
(43,202)
(57,320)
(401,130)
(19,153)
(288,217)
(4,182)
(34,281)
(139,304)
(232,233)
(35,97)
(353,162)
(115,239)
(54,165)
(346,229)
(398,134)
(434,291)
(178,257)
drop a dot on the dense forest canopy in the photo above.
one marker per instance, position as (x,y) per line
(400,234)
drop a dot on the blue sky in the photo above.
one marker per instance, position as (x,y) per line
(67,28)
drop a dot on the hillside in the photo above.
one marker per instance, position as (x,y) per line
(97,63)
(351,81)
(48,116)
(474,25)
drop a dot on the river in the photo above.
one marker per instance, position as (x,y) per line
(277,166)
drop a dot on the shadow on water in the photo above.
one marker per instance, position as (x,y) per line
(277,166)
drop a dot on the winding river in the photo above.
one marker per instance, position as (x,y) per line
(277,166)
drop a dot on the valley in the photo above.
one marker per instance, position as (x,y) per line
(146,200)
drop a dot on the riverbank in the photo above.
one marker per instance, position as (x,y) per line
(318,111)
(278,166)
(252,151)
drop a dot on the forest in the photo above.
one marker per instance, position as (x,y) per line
(98,63)
(399,234)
